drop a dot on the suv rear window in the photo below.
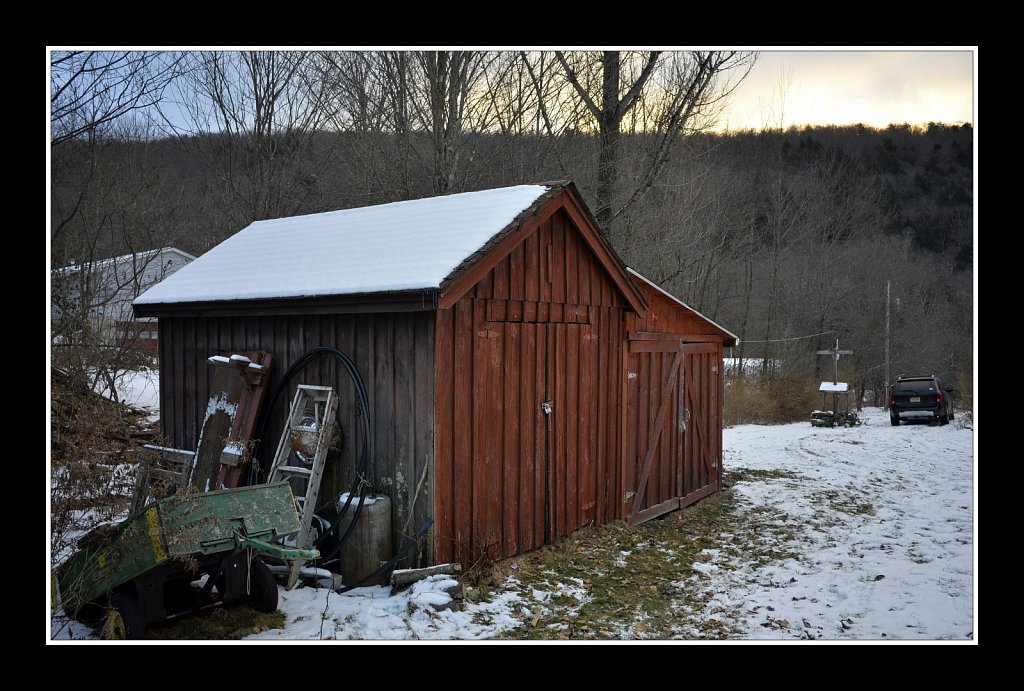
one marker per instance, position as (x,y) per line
(915,385)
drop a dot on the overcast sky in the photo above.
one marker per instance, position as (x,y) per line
(871,87)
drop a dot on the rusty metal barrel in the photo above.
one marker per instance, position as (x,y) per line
(370,543)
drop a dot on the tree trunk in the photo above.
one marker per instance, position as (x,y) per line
(609,132)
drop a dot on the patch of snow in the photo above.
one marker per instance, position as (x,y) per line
(834,387)
(220,402)
(420,612)
(410,245)
(881,521)
(64,628)
(139,389)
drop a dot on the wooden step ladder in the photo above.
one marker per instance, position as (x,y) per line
(301,456)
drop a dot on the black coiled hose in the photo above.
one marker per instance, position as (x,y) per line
(359,484)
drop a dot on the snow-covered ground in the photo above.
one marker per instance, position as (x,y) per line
(881,520)
(422,611)
(140,389)
(860,533)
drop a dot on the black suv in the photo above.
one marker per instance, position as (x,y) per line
(920,398)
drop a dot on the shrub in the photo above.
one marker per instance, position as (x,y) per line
(769,400)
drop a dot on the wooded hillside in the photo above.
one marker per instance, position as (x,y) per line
(777,235)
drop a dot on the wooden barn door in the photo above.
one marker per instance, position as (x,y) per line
(534,418)
(556,427)
(570,418)
(671,432)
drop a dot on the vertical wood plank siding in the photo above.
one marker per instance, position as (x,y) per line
(545,324)
(394,353)
(686,462)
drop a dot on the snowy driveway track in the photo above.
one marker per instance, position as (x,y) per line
(883,519)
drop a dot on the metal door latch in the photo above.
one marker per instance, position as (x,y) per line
(546,407)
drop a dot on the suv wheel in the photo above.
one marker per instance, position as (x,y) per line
(895,421)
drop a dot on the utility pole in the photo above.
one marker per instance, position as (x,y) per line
(886,345)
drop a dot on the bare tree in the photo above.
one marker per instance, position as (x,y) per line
(418,113)
(448,80)
(90,90)
(612,85)
(253,119)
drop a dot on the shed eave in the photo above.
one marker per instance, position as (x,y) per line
(730,339)
(395,301)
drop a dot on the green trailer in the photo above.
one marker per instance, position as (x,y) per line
(146,569)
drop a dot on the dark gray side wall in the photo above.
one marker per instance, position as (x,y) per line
(395,356)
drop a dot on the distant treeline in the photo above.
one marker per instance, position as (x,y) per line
(774,234)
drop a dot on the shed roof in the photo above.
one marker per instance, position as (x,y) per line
(403,246)
(730,339)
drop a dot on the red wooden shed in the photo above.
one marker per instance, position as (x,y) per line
(523,382)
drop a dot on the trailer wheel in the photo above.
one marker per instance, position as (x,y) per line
(124,619)
(262,587)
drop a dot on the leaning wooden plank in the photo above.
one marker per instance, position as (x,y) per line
(236,394)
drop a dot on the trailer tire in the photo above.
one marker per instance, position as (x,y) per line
(262,588)
(124,619)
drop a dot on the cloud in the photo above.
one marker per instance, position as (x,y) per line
(844,87)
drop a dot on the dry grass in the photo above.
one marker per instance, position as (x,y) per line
(94,443)
(768,401)
(220,623)
(636,582)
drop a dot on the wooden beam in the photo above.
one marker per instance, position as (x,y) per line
(528,311)
(654,511)
(403,577)
(684,338)
(667,346)
(694,497)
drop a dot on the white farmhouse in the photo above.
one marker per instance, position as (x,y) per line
(100,293)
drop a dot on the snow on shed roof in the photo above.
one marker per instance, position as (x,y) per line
(410,245)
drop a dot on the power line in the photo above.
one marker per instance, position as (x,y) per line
(794,338)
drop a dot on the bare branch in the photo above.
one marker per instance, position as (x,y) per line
(629,100)
(570,74)
(90,90)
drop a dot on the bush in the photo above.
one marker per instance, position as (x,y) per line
(769,401)
(94,445)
